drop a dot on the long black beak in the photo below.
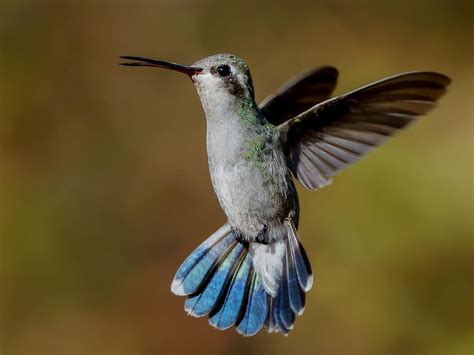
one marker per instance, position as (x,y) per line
(146,62)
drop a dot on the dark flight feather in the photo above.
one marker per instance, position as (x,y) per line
(299,94)
(333,134)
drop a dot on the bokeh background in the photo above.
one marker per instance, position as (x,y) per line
(104,187)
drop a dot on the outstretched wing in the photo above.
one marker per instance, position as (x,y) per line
(326,138)
(299,94)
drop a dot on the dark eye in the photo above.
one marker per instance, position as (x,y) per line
(223,70)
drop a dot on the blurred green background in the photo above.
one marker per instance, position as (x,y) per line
(104,187)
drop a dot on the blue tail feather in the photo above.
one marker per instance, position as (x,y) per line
(256,310)
(193,272)
(203,303)
(285,312)
(270,322)
(303,267)
(275,314)
(235,298)
(295,294)
(197,276)
(296,280)
(220,281)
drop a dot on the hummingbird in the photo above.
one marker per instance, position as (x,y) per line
(253,272)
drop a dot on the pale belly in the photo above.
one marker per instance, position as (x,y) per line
(255,198)
(248,170)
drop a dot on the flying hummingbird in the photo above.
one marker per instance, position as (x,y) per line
(253,272)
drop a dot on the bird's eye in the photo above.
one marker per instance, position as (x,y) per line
(223,70)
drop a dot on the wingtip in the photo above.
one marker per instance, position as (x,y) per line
(439,78)
(324,73)
(316,185)
(329,69)
(447,79)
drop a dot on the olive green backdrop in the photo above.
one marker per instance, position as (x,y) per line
(104,187)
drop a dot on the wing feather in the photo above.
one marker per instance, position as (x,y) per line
(299,94)
(333,134)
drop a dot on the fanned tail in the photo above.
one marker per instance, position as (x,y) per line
(221,282)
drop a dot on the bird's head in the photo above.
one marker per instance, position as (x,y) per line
(221,76)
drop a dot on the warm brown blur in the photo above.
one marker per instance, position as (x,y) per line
(104,188)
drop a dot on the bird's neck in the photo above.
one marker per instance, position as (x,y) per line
(222,107)
(249,113)
(232,122)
